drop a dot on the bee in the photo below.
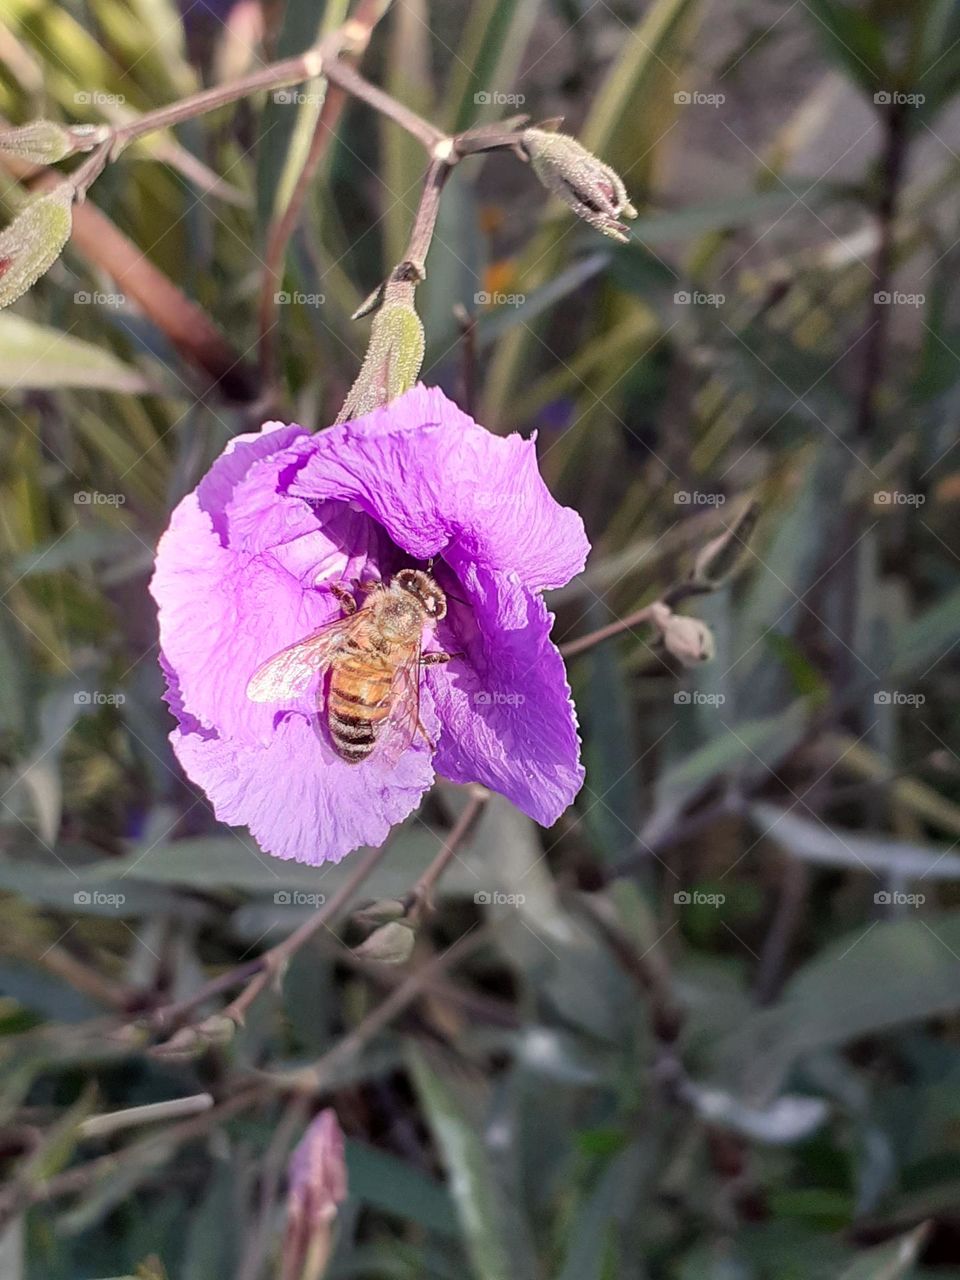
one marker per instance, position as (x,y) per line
(373,654)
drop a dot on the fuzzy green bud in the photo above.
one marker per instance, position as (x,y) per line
(593,190)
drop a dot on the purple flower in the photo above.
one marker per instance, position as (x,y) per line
(245,569)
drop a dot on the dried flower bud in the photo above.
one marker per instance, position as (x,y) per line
(591,188)
(689,640)
(392,943)
(318,1183)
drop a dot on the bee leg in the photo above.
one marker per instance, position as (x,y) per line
(429,741)
(431,659)
(367,586)
(344,598)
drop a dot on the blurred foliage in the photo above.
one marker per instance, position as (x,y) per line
(710,1031)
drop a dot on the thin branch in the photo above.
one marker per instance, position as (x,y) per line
(419,900)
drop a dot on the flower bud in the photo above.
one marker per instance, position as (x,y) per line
(591,188)
(392,943)
(46,142)
(318,1184)
(393,357)
(31,244)
(689,640)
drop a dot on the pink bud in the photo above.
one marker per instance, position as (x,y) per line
(318,1183)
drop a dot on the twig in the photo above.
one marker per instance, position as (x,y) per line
(636,619)
(113,1121)
(418,900)
(314,1078)
(272,961)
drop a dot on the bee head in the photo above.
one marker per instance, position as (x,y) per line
(425,590)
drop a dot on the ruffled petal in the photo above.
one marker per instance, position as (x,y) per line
(299,800)
(508,718)
(436,480)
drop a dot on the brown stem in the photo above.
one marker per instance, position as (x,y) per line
(272,961)
(636,619)
(418,900)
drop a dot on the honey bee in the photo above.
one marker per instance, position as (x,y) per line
(374,655)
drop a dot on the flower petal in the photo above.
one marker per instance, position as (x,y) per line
(435,479)
(299,800)
(508,719)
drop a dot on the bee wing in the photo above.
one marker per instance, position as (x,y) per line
(404,718)
(288,672)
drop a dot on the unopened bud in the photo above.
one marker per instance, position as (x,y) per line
(46,142)
(591,188)
(689,640)
(318,1184)
(392,943)
(393,357)
(379,912)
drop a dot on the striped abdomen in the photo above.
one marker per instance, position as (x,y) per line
(358,704)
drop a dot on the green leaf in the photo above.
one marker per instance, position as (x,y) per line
(35,357)
(889,1261)
(393,1186)
(855,42)
(33,242)
(880,977)
(831,847)
(472,1184)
